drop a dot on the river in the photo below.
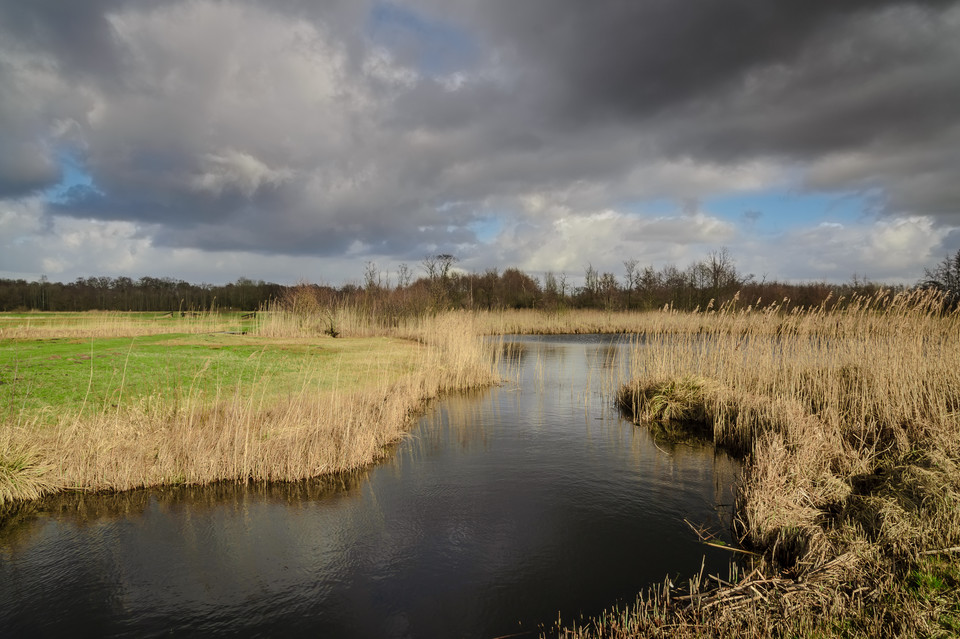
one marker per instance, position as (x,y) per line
(502,512)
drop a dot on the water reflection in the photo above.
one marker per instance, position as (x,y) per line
(501,510)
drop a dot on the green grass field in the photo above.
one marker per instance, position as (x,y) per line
(113,401)
(47,378)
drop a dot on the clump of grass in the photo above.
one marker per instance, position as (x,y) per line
(675,409)
(23,475)
(680,400)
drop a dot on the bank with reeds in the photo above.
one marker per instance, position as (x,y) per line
(338,406)
(848,419)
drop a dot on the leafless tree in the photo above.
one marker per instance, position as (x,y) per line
(945,276)
(371,277)
(438,266)
(722,270)
(403,276)
(630,270)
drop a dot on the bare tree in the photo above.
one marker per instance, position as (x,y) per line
(446,262)
(723,272)
(608,288)
(630,268)
(945,276)
(550,286)
(438,266)
(431,265)
(438,270)
(371,277)
(591,280)
(404,275)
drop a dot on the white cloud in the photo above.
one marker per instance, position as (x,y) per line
(20,219)
(237,170)
(67,248)
(606,238)
(893,250)
(380,65)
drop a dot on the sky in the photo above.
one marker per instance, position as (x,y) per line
(291,140)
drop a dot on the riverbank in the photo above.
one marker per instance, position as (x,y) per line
(101,402)
(849,422)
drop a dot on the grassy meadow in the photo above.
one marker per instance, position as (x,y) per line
(112,401)
(88,376)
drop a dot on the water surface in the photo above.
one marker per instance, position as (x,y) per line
(504,510)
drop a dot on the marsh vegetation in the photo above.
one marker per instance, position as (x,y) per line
(113,402)
(847,415)
(849,420)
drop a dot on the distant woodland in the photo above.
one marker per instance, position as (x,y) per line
(439,284)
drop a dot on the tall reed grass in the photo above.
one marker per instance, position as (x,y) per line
(849,418)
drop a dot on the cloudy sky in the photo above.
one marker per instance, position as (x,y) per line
(300,139)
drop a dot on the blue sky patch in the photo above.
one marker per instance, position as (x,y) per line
(486,228)
(778,211)
(74,179)
(434,47)
(769,212)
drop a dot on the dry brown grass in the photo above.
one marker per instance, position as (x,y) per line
(850,422)
(562,322)
(247,433)
(88,324)
(592,321)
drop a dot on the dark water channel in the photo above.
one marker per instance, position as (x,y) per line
(503,511)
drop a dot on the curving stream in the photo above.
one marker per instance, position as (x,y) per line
(504,510)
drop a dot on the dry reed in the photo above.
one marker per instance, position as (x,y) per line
(849,419)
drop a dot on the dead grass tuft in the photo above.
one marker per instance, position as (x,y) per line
(23,474)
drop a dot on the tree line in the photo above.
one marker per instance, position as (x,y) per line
(126,294)
(706,283)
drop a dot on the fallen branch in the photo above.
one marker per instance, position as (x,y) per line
(707,538)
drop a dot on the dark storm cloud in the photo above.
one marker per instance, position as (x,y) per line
(76,32)
(24,169)
(730,81)
(295,127)
(81,37)
(614,57)
(743,76)
(886,77)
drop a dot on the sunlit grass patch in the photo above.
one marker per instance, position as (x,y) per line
(115,413)
(43,379)
(679,400)
(23,475)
